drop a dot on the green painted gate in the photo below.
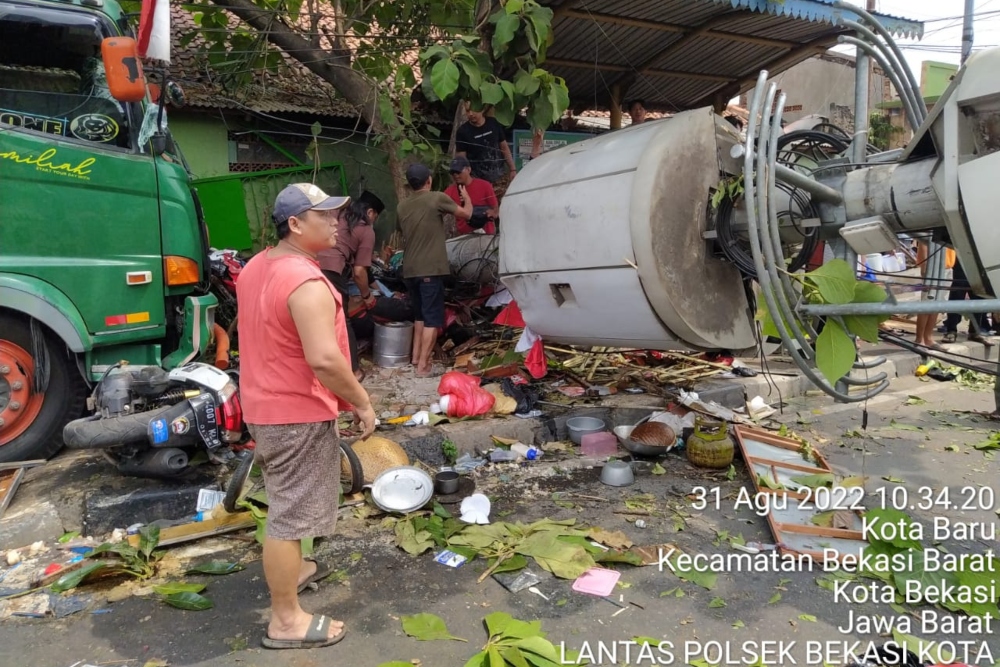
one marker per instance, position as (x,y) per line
(238,206)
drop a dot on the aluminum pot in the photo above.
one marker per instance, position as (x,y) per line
(393,344)
(581,426)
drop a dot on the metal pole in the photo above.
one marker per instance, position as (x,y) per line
(970,9)
(902,308)
(803,182)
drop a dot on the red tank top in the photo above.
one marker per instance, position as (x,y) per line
(277,385)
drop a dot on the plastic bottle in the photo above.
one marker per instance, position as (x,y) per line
(530,453)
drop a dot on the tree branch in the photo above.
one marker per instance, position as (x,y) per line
(331,67)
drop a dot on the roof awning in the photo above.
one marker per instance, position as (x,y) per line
(683,54)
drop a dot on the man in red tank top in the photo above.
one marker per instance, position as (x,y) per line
(294,381)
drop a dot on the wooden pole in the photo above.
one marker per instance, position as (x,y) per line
(616,107)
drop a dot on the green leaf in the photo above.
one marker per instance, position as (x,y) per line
(868,292)
(410,540)
(68,536)
(433,52)
(566,561)
(835,352)
(471,69)
(316,129)
(814,481)
(894,480)
(538,646)
(922,647)
(864,327)
(739,624)
(427,627)
(658,469)
(178,587)
(807,617)
(644,641)
(503,33)
(706,579)
(878,516)
(716,603)
(189,601)
(149,537)
(914,400)
(774,598)
(497,622)
(439,510)
(72,579)
(512,564)
(525,84)
(504,112)
(903,427)
(478,660)
(835,281)
(216,567)
(396,663)
(444,78)
(491,93)
(514,6)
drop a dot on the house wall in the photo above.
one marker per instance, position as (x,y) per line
(206,144)
(824,85)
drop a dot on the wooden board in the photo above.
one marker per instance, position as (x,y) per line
(777,461)
(197,530)
(9,481)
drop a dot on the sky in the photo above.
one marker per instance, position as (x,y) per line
(942,41)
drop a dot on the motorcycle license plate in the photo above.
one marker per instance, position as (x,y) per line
(206,418)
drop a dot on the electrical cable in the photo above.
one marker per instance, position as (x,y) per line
(925,351)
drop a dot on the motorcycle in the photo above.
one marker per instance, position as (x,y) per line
(151,422)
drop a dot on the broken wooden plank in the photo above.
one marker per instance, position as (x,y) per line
(197,530)
(9,481)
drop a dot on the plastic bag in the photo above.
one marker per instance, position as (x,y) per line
(467,398)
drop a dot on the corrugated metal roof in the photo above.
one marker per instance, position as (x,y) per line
(679,54)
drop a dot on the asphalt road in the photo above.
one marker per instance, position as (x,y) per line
(919,444)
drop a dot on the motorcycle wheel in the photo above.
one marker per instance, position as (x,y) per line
(238,483)
(90,433)
(356,482)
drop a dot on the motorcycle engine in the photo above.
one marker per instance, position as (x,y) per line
(127,389)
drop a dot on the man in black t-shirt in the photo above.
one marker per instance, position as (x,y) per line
(482,139)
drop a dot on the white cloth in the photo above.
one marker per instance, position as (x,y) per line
(527,340)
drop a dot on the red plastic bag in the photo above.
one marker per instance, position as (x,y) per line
(468,399)
(535,362)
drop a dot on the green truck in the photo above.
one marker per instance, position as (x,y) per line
(103,246)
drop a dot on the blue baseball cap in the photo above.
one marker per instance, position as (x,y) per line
(298,198)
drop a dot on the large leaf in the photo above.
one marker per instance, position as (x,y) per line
(504,32)
(189,601)
(512,564)
(835,352)
(178,587)
(864,327)
(216,567)
(922,647)
(412,541)
(514,656)
(491,93)
(427,627)
(444,78)
(471,69)
(888,516)
(149,538)
(72,579)
(868,292)
(566,561)
(525,84)
(539,646)
(835,281)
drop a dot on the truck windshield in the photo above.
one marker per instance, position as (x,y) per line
(52,79)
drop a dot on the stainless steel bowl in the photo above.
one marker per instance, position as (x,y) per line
(617,473)
(581,426)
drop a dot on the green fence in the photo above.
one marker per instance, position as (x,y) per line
(238,206)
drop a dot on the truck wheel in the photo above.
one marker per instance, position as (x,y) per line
(31,423)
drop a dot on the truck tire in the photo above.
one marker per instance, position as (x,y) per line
(33,422)
(90,433)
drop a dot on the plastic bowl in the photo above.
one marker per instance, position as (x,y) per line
(581,426)
(617,473)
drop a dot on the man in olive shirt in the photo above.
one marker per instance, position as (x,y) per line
(425,257)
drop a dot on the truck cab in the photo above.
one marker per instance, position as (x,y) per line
(103,249)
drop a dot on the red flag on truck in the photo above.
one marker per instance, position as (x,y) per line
(154,30)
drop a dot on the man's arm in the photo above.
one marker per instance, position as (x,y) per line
(363,260)
(505,149)
(313,310)
(463,212)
